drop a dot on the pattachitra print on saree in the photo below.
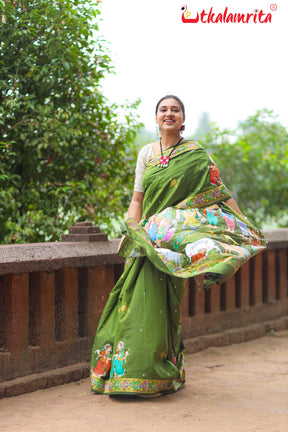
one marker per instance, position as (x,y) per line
(186,230)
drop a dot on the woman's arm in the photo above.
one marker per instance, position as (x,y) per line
(134,210)
(135,207)
(232,203)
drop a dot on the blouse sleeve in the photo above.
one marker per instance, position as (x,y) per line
(144,155)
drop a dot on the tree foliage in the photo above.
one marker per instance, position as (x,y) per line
(253,160)
(64,154)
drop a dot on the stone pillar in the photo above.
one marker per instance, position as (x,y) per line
(42,309)
(283,274)
(258,279)
(230,294)
(199,296)
(244,285)
(66,306)
(215,298)
(271,279)
(18,316)
(84,232)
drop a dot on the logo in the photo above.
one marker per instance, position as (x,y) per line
(205,17)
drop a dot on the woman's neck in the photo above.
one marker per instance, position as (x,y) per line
(168,140)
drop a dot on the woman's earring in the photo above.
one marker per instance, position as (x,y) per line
(182,128)
(158,131)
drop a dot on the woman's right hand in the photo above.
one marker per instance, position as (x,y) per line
(120,243)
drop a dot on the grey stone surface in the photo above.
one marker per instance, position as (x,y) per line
(31,257)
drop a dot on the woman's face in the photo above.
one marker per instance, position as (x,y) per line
(169,115)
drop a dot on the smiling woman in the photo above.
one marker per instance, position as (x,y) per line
(179,225)
(170,115)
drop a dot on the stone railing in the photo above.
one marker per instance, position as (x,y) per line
(52,295)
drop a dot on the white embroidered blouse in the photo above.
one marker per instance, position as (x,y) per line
(144,155)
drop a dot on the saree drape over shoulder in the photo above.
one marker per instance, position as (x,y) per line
(186,230)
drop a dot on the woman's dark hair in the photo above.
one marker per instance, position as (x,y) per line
(171,97)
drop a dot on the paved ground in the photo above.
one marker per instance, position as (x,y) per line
(236,388)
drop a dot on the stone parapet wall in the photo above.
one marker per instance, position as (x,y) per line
(52,295)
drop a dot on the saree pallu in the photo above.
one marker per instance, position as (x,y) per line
(186,230)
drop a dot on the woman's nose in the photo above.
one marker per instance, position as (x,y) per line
(169,113)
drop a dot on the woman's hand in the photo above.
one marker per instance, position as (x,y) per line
(120,243)
(134,211)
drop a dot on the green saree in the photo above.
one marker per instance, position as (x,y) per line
(186,230)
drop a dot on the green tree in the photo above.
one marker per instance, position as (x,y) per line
(64,155)
(253,160)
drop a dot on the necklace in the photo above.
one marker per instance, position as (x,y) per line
(164,160)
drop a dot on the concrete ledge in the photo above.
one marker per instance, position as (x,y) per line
(76,372)
(30,257)
(51,378)
(277,239)
(238,335)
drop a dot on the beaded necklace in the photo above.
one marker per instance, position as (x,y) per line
(164,160)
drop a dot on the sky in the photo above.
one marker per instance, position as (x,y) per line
(229,70)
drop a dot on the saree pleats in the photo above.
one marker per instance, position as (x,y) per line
(139,334)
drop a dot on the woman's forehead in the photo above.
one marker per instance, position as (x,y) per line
(169,102)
